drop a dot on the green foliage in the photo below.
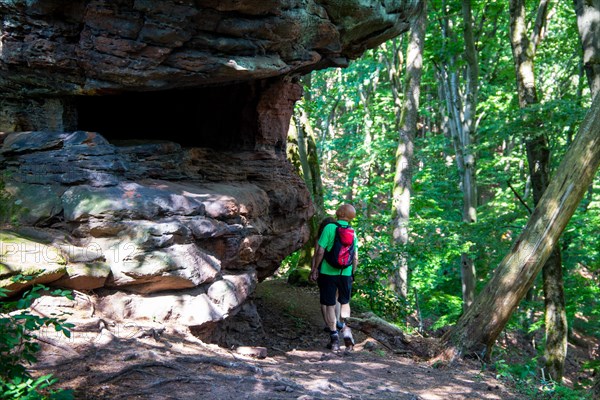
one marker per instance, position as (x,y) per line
(18,347)
(518,372)
(525,378)
(355,117)
(370,283)
(11,209)
(289,264)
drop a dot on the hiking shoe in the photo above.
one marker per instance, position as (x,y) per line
(334,344)
(349,343)
(334,341)
(348,339)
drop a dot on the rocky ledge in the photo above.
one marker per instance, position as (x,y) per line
(186,233)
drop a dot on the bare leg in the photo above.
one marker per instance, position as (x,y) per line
(329,316)
(345,311)
(346,332)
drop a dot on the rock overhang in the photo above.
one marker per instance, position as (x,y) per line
(52,47)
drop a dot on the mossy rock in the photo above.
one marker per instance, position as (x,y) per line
(35,262)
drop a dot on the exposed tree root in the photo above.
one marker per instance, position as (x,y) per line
(138,368)
(56,344)
(393,337)
(220,363)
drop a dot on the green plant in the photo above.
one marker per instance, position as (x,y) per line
(11,209)
(526,380)
(18,346)
(288,264)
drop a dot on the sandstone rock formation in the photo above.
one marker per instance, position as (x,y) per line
(143,142)
(190,230)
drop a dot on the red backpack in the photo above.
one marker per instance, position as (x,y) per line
(342,252)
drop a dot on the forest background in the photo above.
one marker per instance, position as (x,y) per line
(444,140)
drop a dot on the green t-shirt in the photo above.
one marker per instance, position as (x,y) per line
(326,242)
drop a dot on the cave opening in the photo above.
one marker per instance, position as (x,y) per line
(219,117)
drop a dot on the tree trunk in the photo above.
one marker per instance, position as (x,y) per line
(308,159)
(301,143)
(297,155)
(588,23)
(468,281)
(538,158)
(461,105)
(556,317)
(468,119)
(477,330)
(469,183)
(404,154)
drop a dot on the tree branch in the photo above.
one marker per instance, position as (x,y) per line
(519,197)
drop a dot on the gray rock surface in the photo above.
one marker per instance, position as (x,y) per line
(210,232)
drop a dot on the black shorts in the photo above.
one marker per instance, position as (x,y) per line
(330,285)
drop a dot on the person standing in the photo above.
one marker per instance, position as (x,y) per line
(335,284)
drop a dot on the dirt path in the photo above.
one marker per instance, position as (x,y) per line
(104,360)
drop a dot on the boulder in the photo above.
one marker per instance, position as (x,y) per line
(214,234)
(25,262)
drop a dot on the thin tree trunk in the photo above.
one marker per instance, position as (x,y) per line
(588,23)
(555,317)
(300,118)
(468,120)
(477,330)
(538,157)
(404,154)
(299,159)
(308,158)
(468,280)
(461,104)
(467,132)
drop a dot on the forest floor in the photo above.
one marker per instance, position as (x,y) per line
(284,359)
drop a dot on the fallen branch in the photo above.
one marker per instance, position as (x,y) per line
(154,333)
(372,324)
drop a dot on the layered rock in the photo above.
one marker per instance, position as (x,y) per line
(134,219)
(52,52)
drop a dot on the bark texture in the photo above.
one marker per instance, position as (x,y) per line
(588,23)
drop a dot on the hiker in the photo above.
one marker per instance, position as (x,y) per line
(335,283)
(326,221)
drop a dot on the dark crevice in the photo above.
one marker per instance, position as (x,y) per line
(221,118)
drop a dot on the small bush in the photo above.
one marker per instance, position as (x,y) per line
(18,347)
